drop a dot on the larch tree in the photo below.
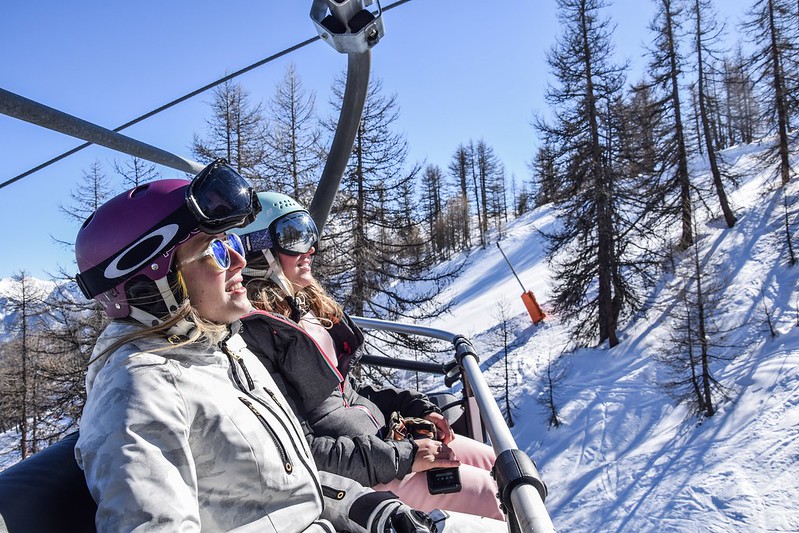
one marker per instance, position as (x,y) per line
(91,192)
(21,383)
(584,252)
(772,26)
(135,171)
(294,152)
(741,102)
(706,32)
(666,69)
(459,169)
(236,132)
(372,244)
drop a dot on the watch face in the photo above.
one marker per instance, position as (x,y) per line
(443,480)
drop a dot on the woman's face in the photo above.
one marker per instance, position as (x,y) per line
(297,268)
(217,295)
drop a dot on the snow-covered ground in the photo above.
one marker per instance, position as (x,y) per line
(627,458)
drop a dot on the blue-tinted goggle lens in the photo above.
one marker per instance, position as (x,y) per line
(295,234)
(221,199)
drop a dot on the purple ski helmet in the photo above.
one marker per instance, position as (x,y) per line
(126,248)
(130,235)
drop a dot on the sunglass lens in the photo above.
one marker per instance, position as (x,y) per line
(221,254)
(235,244)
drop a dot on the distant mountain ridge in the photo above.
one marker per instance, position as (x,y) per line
(9,289)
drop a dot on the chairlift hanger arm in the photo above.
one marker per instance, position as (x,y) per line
(351,29)
(22,108)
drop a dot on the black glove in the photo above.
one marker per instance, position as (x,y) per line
(406,520)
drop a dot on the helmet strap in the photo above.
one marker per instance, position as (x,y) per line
(182,328)
(274,273)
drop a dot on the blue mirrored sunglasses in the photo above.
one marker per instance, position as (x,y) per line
(218,249)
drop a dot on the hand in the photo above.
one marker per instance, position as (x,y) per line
(433,454)
(445,432)
(407,520)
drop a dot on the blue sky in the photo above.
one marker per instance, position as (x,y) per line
(461,70)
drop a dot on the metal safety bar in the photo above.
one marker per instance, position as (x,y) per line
(522,495)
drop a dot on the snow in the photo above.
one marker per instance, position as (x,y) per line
(627,457)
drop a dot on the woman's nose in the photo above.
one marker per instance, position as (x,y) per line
(237,262)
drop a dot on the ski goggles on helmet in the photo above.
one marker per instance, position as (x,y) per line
(219,198)
(294,234)
(219,249)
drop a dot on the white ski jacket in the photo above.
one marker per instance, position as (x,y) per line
(198,438)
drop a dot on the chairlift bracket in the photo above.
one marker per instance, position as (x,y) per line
(347,25)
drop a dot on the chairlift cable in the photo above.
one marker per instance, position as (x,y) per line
(180,99)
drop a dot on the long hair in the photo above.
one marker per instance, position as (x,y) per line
(266,295)
(203,331)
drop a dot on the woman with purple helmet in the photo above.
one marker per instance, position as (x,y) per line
(183,428)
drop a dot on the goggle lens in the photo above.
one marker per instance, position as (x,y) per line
(221,199)
(295,234)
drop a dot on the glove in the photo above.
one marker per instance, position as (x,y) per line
(403,519)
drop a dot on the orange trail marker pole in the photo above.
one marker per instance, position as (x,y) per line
(528,298)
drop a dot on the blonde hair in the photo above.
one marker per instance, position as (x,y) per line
(203,330)
(266,295)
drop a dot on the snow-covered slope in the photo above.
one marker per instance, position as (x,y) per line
(627,458)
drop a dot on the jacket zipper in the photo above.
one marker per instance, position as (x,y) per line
(232,357)
(283,409)
(284,456)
